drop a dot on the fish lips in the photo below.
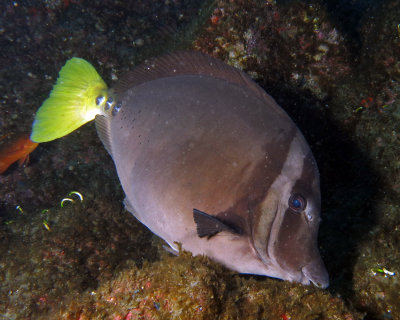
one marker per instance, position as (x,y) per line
(316,272)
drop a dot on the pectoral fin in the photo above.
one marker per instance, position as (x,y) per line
(208,225)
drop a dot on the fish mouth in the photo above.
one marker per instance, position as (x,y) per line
(317,274)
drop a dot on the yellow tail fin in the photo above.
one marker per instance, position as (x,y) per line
(71,103)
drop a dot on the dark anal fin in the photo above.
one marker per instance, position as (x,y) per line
(208,226)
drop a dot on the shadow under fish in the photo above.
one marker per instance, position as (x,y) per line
(206,158)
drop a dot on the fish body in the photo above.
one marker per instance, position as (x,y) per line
(16,148)
(207,159)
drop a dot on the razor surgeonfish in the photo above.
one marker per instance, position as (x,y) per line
(205,157)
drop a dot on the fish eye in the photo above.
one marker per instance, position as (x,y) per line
(297,203)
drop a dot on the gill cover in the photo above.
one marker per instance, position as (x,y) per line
(71,103)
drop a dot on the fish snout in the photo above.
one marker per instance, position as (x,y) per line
(316,272)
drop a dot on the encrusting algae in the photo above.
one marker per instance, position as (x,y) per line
(187,287)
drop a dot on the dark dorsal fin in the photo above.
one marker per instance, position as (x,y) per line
(190,63)
(208,226)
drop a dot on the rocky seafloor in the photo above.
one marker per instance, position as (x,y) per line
(334,66)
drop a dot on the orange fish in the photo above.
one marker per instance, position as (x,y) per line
(15,148)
